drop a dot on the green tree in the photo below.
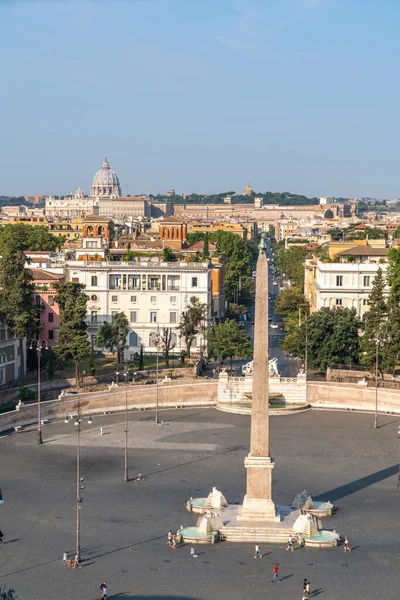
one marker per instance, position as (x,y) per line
(72,336)
(291,262)
(228,340)
(234,311)
(331,336)
(165,342)
(206,249)
(168,255)
(92,360)
(191,320)
(141,359)
(113,336)
(238,266)
(25,237)
(390,351)
(375,320)
(16,308)
(289,301)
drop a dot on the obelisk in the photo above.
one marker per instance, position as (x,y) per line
(257,503)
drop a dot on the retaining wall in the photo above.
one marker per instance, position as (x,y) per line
(352,396)
(139,396)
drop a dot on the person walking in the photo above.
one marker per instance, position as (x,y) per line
(173,544)
(169,538)
(308,587)
(1,538)
(275,576)
(257,553)
(346,545)
(290,544)
(104,590)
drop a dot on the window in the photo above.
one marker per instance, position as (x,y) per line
(94,281)
(93,316)
(133,317)
(51,300)
(113,314)
(194,281)
(1,376)
(51,334)
(367,280)
(114,298)
(75,280)
(2,335)
(133,299)
(172,299)
(50,317)
(172,317)
(365,302)
(153,299)
(339,302)
(339,280)
(133,339)
(153,317)
(38,299)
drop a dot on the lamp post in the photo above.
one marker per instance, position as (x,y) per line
(38,346)
(79,480)
(378,340)
(125,374)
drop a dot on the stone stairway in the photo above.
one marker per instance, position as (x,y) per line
(256,534)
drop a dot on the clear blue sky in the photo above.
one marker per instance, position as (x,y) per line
(201,95)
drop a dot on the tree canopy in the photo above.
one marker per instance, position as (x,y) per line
(191,320)
(228,340)
(72,336)
(26,237)
(291,262)
(113,336)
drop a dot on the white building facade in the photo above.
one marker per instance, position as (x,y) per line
(347,284)
(152,295)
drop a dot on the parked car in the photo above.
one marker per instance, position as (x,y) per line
(274,326)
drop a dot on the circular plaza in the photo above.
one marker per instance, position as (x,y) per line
(336,456)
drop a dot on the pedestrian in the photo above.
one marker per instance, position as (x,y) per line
(308,589)
(173,545)
(257,553)
(346,545)
(104,590)
(169,538)
(290,544)
(77,561)
(1,538)
(193,553)
(276,574)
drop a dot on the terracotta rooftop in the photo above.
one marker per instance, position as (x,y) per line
(364,251)
(41,274)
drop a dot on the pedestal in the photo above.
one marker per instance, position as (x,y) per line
(257,503)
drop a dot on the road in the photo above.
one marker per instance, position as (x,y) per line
(287,366)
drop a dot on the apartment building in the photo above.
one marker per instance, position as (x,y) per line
(151,293)
(346,282)
(10,357)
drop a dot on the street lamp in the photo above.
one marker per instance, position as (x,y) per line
(125,373)
(378,340)
(38,346)
(79,480)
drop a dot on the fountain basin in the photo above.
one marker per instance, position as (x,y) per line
(196,505)
(323,539)
(192,535)
(322,509)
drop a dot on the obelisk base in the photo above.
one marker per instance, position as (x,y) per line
(257,503)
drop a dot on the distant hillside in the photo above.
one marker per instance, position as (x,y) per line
(13,201)
(282,198)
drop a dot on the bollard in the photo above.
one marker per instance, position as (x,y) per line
(101,431)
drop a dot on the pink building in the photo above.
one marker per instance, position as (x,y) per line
(44,283)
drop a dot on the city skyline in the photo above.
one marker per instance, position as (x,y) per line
(201,97)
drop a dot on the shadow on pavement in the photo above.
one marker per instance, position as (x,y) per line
(358,484)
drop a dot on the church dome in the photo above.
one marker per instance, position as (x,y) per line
(105,183)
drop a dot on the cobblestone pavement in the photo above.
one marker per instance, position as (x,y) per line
(338,456)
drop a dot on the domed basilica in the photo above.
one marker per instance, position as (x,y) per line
(105,183)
